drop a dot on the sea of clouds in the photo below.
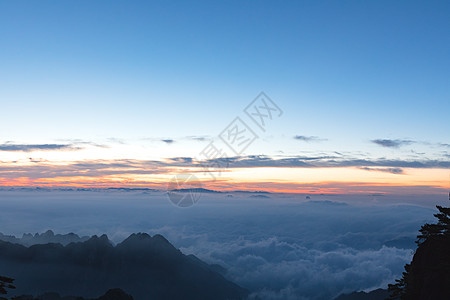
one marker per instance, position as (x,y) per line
(277,246)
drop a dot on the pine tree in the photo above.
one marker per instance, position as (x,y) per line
(441,229)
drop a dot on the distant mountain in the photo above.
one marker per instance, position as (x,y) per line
(253,192)
(195,190)
(379,294)
(29,239)
(259,196)
(145,267)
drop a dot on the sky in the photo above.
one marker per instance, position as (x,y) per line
(130,94)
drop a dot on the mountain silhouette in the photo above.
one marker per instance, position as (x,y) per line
(428,274)
(29,239)
(146,267)
(427,277)
(378,294)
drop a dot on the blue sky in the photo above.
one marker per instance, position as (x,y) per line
(346,72)
(351,57)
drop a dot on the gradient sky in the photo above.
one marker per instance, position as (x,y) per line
(111,93)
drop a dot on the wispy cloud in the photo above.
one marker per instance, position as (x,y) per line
(36,147)
(116,140)
(171,140)
(305,138)
(199,138)
(187,160)
(91,144)
(76,142)
(330,161)
(392,143)
(387,170)
(87,168)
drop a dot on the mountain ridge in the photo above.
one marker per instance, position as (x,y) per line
(147,267)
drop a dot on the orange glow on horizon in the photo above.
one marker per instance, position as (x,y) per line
(139,174)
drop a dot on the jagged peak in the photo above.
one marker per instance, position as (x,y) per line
(159,237)
(48,233)
(103,239)
(141,235)
(136,237)
(144,239)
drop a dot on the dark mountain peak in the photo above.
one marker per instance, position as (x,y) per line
(135,238)
(160,238)
(146,267)
(141,236)
(145,243)
(96,241)
(103,238)
(48,234)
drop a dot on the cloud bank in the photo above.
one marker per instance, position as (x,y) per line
(279,247)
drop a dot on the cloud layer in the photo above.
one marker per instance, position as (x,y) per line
(279,247)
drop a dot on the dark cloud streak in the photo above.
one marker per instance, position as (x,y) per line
(387,170)
(308,139)
(392,143)
(168,141)
(36,147)
(330,162)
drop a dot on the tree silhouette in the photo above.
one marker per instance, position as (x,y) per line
(5,283)
(398,290)
(439,230)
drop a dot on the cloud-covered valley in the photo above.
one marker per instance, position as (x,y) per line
(280,247)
